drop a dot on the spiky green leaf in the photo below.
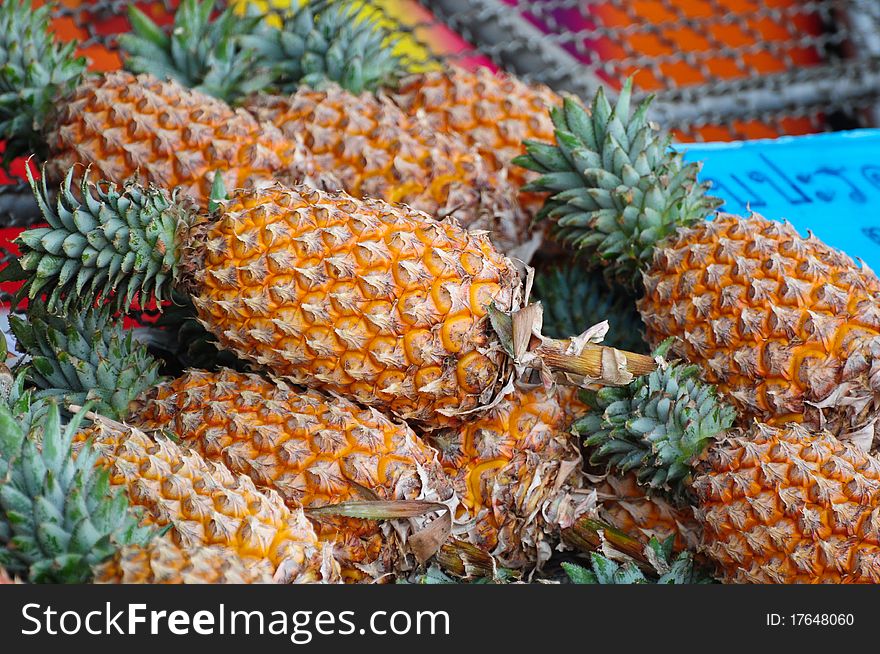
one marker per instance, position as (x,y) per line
(58,516)
(574,299)
(656,426)
(328,41)
(84,355)
(35,74)
(135,225)
(202,51)
(622,189)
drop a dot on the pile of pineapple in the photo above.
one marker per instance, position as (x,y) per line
(346,372)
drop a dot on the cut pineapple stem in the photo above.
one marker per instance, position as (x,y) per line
(596,362)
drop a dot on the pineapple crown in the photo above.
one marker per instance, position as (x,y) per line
(103,241)
(666,570)
(574,299)
(34,72)
(328,41)
(84,356)
(58,514)
(616,188)
(657,426)
(201,52)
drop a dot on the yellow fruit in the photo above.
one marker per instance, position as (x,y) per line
(122,126)
(207,505)
(162,561)
(783,505)
(376,151)
(517,474)
(312,449)
(361,298)
(786,327)
(493,112)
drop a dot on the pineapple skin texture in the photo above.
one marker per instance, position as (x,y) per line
(124,125)
(377,151)
(373,302)
(493,112)
(312,449)
(517,475)
(162,561)
(784,505)
(778,322)
(626,505)
(208,505)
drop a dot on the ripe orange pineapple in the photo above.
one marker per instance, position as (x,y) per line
(163,133)
(336,42)
(124,125)
(493,112)
(776,505)
(786,326)
(518,477)
(372,301)
(206,504)
(785,505)
(377,151)
(312,449)
(162,561)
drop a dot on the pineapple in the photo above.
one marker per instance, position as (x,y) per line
(785,326)
(58,515)
(205,504)
(160,132)
(322,42)
(517,475)
(368,300)
(162,561)
(522,490)
(493,112)
(313,450)
(124,125)
(377,151)
(365,143)
(814,502)
(776,504)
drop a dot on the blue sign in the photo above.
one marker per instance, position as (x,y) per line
(826,183)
